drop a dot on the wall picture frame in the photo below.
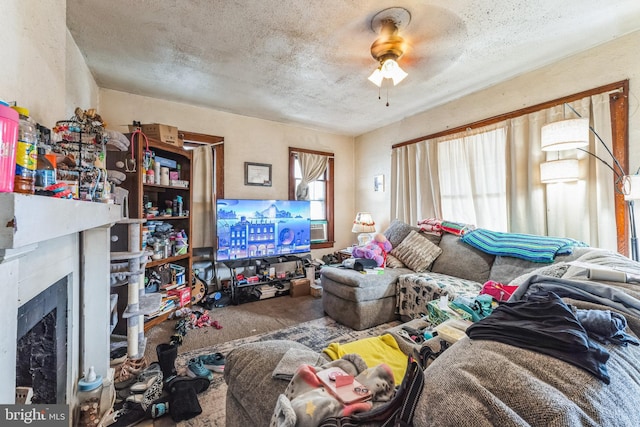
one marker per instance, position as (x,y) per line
(378,183)
(257,174)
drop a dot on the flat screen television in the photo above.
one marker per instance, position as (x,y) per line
(262,228)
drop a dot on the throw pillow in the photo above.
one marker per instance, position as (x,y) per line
(393,262)
(397,232)
(416,252)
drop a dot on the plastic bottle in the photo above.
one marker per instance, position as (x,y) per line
(26,154)
(89,397)
(177,206)
(156,169)
(9,122)
(45,172)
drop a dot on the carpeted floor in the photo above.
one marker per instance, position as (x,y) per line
(239,321)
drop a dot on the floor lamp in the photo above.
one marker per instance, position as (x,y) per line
(574,133)
(631,190)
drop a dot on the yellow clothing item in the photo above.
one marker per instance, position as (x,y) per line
(374,351)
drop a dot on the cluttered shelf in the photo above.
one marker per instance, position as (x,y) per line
(154,263)
(261,278)
(160,187)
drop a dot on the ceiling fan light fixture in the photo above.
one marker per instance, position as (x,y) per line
(376,77)
(389,46)
(391,70)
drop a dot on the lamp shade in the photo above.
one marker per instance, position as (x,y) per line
(559,171)
(565,135)
(389,69)
(631,187)
(376,77)
(363,223)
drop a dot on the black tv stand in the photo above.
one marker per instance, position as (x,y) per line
(256,272)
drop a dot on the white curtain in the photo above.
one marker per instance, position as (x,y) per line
(312,166)
(472,173)
(415,186)
(526,204)
(422,186)
(203,198)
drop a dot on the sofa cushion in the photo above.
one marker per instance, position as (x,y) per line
(249,376)
(416,252)
(461,260)
(505,269)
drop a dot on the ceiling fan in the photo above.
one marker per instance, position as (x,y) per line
(389,46)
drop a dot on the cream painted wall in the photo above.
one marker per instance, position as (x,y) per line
(607,63)
(81,88)
(246,139)
(33,63)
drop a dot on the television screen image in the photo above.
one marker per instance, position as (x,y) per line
(262,228)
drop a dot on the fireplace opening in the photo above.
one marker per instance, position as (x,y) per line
(41,356)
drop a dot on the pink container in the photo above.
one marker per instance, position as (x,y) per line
(9,122)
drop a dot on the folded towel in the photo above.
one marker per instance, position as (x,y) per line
(457,228)
(116,139)
(526,246)
(431,225)
(292,359)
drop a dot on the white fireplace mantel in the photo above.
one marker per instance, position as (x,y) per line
(43,240)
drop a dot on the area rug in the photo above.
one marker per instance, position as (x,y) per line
(315,334)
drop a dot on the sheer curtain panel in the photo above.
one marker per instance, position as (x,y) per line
(312,166)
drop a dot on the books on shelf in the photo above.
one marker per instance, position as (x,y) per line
(166,306)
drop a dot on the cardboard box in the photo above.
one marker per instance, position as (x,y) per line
(165,133)
(300,287)
(316,291)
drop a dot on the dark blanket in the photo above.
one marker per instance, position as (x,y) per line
(544,323)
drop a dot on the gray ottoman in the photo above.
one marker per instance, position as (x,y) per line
(358,300)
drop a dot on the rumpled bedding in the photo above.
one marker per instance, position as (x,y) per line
(489,383)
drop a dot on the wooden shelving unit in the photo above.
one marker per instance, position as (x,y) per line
(157,195)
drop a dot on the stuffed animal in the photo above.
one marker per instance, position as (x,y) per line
(376,249)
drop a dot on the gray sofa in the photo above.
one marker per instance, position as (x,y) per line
(487,383)
(362,301)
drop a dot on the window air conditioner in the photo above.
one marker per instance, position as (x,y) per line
(318,231)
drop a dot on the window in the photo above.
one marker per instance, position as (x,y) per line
(423,186)
(320,194)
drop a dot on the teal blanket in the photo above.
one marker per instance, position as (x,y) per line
(526,246)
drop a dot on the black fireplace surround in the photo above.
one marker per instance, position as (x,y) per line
(41,357)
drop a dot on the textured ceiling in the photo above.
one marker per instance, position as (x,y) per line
(306,62)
